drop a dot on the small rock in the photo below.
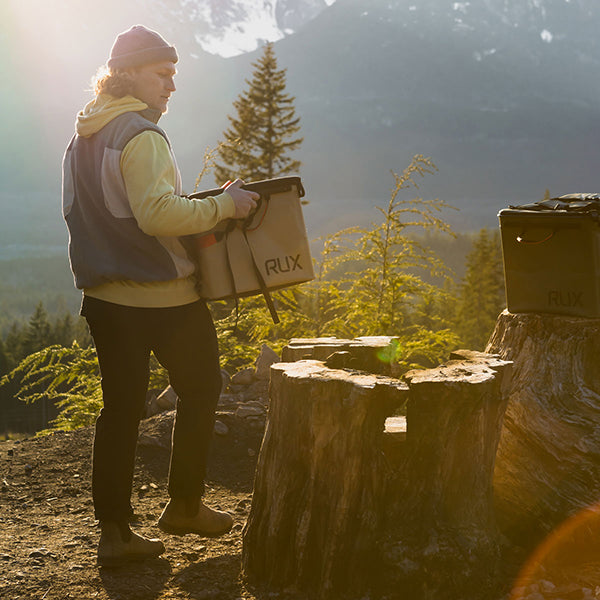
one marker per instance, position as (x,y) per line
(243,377)
(251,452)
(11,452)
(227,399)
(154,486)
(152,407)
(225,378)
(263,363)
(249,411)
(152,441)
(28,470)
(221,428)
(519,592)
(546,587)
(168,399)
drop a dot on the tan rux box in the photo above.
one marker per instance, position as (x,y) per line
(266,252)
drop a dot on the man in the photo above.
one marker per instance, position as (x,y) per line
(125,214)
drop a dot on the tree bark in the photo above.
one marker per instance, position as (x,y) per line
(317,507)
(547,466)
(454,417)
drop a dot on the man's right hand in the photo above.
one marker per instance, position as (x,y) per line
(244,200)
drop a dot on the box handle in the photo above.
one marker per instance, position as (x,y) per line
(523,240)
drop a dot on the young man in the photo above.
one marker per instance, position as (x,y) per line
(124,210)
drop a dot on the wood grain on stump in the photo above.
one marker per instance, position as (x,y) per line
(548,462)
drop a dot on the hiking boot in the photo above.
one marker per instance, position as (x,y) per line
(119,545)
(180,517)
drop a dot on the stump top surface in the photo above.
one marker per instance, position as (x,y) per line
(315,369)
(372,341)
(467,367)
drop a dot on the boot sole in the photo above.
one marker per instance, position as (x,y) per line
(173,530)
(119,561)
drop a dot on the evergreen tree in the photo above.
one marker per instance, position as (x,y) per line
(14,343)
(38,334)
(481,291)
(63,330)
(261,135)
(5,361)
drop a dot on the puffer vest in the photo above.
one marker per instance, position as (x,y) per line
(105,242)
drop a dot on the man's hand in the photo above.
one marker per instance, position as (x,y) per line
(244,200)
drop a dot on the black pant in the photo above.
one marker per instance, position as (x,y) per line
(184,341)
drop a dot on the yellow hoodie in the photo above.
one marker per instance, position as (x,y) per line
(153,186)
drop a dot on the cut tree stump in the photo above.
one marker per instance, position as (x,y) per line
(346,485)
(548,462)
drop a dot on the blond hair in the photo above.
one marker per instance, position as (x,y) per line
(116,82)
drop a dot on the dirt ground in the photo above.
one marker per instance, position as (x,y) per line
(48,533)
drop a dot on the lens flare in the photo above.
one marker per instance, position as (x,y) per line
(570,555)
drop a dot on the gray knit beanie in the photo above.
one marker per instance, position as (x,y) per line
(140,46)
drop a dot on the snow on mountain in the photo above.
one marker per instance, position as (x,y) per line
(232,27)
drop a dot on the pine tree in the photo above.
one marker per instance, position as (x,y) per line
(260,138)
(482,291)
(38,334)
(5,361)
(63,330)
(14,343)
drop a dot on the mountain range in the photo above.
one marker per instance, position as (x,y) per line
(502,94)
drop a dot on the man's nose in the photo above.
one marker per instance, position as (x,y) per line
(171,85)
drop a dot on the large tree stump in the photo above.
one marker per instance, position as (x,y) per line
(338,495)
(548,466)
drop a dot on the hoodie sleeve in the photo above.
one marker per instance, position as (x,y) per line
(150,175)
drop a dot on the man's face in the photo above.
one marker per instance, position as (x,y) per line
(153,84)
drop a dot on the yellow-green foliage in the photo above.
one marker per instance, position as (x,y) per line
(377,280)
(71,378)
(371,281)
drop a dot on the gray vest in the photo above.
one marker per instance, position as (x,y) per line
(105,241)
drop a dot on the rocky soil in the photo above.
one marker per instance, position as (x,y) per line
(48,534)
